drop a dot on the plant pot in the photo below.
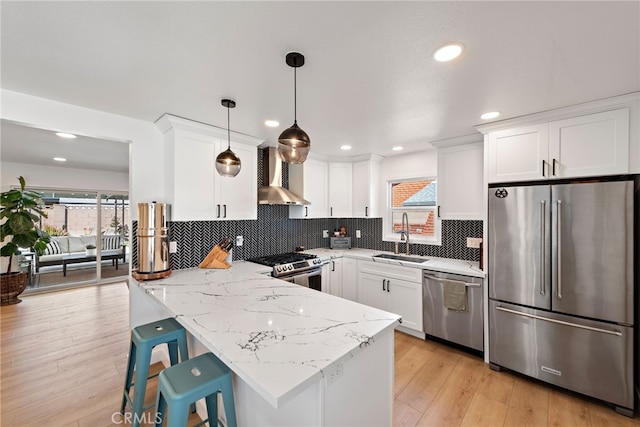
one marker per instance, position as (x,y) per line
(92,252)
(12,285)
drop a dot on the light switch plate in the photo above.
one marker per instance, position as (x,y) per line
(239,240)
(473,242)
(325,233)
(173,247)
(358,234)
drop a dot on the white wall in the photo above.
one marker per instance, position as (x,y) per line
(52,177)
(146,155)
(410,165)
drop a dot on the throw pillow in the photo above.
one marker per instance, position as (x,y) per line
(53,248)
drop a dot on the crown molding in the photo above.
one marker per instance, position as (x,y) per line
(169,122)
(621,101)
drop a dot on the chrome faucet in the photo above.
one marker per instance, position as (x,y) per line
(404,232)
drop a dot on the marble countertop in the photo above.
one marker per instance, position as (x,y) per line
(276,336)
(445,265)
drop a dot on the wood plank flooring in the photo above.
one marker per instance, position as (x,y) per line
(63,357)
(437,385)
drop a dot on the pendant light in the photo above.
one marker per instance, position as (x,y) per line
(294,143)
(227,163)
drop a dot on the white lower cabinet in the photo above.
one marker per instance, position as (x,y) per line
(349,279)
(392,288)
(332,277)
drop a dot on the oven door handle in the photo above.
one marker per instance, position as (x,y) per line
(299,275)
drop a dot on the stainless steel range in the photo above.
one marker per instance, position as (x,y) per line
(296,267)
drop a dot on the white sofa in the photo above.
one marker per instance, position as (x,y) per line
(62,246)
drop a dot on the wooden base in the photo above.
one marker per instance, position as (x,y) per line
(215,259)
(141,277)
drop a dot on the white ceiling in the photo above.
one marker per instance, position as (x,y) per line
(369,78)
(25,144)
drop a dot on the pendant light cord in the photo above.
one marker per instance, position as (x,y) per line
(295,97)
(228,127)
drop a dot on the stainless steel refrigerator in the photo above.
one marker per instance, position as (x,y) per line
(561,292)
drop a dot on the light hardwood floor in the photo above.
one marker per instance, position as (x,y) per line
(63,357)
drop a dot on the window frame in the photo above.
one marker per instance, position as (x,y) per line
(387,220)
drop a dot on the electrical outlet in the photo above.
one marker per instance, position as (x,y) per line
(173,247)
(473,242)
(325,233)
(358,234)
(239,240)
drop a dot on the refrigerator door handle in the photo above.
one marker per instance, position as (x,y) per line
(559,249)
(546,319)
(543,211)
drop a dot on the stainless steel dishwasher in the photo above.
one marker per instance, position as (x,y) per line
(460,327)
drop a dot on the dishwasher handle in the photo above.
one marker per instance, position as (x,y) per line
(467,284)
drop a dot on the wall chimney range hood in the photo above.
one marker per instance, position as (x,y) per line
(273,193)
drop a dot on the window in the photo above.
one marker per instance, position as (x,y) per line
(418,199)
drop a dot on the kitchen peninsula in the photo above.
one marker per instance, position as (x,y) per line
(299,357)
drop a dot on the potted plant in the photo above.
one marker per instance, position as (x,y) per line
(91,250)
(20,210)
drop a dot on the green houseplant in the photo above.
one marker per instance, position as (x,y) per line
(21,211)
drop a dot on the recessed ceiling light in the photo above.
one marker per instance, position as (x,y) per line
(448,52)
(345,147)
(272,123)
(490,115)
(59,159)
(397,148)
(66,135)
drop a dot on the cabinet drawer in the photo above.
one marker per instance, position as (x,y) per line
(390,271)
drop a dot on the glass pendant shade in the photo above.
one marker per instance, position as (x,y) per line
(294,145)
(227,163)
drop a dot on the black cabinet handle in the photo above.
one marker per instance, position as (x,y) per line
(331,211)
(543,168)
(366,211)
(333,266)
(388,285)
(438,211)
(384,283)
(306,211)
(554,167)
(217,211)
(225,211)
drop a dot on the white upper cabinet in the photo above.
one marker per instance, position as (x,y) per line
(236,198)
(195,190)
(518,154)
(460,182)
(588,145)
(596,144)
(340,199)
(365,188)
(311,181)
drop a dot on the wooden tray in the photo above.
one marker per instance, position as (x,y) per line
(141,277)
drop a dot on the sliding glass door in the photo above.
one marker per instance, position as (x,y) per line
(114,243)
(89,240)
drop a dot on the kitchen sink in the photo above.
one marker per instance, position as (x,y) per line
(401,258)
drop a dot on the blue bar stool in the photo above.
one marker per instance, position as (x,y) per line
(143,339)
(182,385)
